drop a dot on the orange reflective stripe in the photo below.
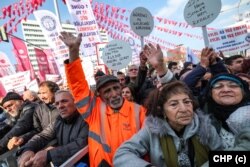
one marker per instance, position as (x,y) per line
(137,116)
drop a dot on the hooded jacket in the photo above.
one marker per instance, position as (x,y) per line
(147,140)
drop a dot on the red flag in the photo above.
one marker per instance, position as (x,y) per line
(52,64)
(9,10)
(2,90)
(22,56)
(42,63)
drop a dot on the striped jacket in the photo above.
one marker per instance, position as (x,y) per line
(107,130)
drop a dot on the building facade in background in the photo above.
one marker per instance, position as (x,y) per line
(32,33)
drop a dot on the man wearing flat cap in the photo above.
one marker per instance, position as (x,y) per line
(22,113)
(112,119)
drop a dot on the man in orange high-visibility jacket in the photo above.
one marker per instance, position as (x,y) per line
(112,119)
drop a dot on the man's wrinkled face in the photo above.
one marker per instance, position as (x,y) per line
(13,107)
(64,102)
(111,94)
(121,78)
(46,95)
(133,71)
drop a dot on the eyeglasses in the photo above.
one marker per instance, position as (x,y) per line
(133,69)
(231,85)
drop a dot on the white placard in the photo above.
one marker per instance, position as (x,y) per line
(33,85)
(16,82)
(141,21)
(117,54)
(232,39)
(85,23)
(199,13)
(51,29)
(99,49)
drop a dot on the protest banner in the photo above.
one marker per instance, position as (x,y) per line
(231,39)
(16,82)
(85,23)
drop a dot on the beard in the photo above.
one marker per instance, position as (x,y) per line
(116,103)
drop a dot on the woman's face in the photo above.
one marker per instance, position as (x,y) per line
(178,111)
(227,93)
(126,93)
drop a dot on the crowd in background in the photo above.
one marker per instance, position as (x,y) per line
(157,114)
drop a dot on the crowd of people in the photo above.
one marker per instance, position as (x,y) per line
(155,115)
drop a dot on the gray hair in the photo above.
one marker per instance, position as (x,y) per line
(64,91)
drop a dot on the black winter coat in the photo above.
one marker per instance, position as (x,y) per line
(23,125)
(71,135)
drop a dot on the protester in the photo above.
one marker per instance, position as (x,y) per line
(31,96)
(128,93)
(69,129)
(234,63)
(224,94)
(5,124)
(21,113)
(133,72)
(209,65)
(142,85)
(45,113)
(155,58)
(122,78)
(98,74)
(112,119)
(173,135)
(173,66)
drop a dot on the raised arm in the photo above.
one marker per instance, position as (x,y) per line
(76,76)
(155,58)
(73,44)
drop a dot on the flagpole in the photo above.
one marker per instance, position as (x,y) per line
(57,10)
(25,41)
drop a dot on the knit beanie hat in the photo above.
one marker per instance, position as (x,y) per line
(228,77)
(11,96)
(105,79)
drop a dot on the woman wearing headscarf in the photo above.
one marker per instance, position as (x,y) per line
(174,134)
(224,94)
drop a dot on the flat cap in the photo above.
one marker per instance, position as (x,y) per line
(105,79)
